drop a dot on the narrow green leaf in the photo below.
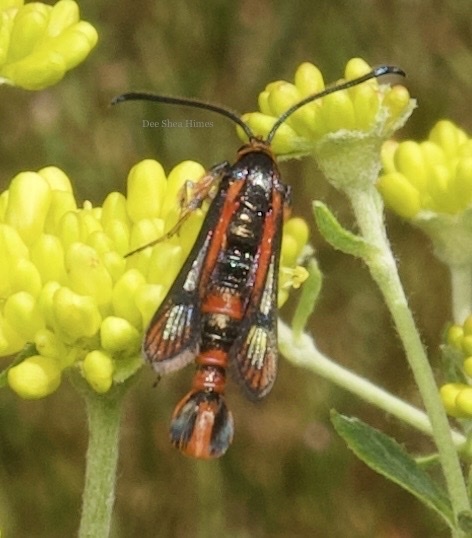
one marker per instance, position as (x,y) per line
(340,238)
(309,295)
(385,456)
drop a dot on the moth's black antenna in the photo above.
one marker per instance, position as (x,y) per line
(194,103)
(378,72)
(144,96)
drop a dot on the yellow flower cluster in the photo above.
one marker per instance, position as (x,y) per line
(66,286)
(432,176)
(371,107)
(457,397)
(40,43)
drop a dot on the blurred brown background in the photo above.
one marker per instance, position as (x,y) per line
(287,474)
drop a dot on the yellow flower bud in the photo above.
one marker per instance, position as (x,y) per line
(282,97)
(114,208)
(164,264)
(75,316)
(432,154)
(464,401)
(123,299)
(57,180)
(75,43)
(399,194)
(298,229)
(87,274)
(5,5)
(88,224)
(97,369)
(35,377)
(36,71)
(409,161)
(189,232)
(366,104)
(100,242)
(119,233)
(449,137)
(46,302)
(118,336)
(28,204)
(387,155)
(11,244)
(449,394)
(308,80)
(63,15)
(357,67)
(454,336)
(439,187)
(10,341)
(47,255)
(29,26)
(148,298)
(337,112)
(23,315)
(12,249)
(7,19)
(307,121)
(114,264)
(182,172)
(397,101)
(289,250)
(61,203)
(48,345)
(468,366)
(69,229)
(25,277)
(263,103)
(145,231)
(467,344)
(146,190)
(3,205)
(285,141)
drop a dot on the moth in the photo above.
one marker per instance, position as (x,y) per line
(221,311)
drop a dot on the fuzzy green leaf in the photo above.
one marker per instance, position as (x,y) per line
(385,456)
(340,238)
(126,367)
(310,291)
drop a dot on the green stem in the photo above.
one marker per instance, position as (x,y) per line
(461,287)
(104,413)
(302,351)
(368,209)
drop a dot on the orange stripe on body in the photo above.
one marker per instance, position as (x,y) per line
(218,239)
(213,357)
(224,302)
